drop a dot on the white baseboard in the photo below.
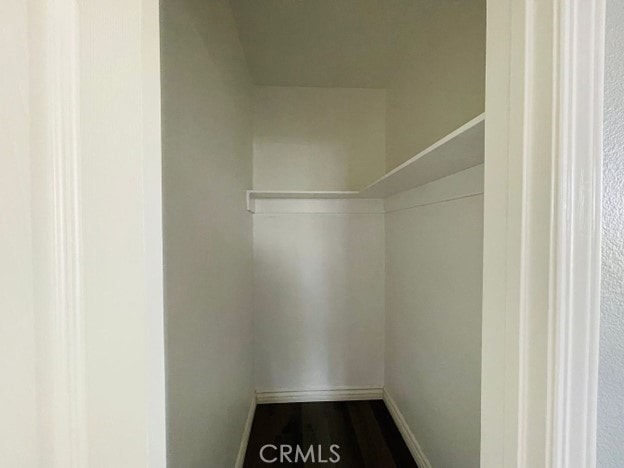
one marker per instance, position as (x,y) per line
(240,459)
(302,396)
(413,445)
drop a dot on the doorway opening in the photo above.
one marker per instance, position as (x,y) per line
(323,217)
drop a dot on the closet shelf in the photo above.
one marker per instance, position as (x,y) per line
(459,150)
(327,194)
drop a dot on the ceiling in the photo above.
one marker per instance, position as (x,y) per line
(324,43)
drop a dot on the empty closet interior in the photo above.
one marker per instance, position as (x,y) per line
(323,215)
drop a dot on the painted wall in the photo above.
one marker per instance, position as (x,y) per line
(434,237)
(611,374)
(319,299)
(318,138)
(18,393)
(441,82)
(207,166)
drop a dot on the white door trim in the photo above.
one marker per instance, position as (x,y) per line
(69,432)
(541,246)
(57,242)
(576,256)
(542,226)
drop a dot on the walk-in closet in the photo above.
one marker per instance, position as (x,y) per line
(323,223)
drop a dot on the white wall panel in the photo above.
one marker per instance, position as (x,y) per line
(207,233)
(433,317)
(319,301)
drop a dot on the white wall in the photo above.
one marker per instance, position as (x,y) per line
(319,300)
(441,82)
(18,395)
(207,166)
(433,314)
(611,380)
(318,138)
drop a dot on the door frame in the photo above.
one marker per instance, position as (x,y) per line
(541,236)
(95,159)
(541,311)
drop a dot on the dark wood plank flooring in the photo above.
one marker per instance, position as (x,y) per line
(364,431)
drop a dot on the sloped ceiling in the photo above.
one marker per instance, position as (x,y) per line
(325,43)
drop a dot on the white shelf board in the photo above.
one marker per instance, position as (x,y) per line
(459,150)
(328,194)
(284,195)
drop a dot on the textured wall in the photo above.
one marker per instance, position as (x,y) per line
(206,98)
(611,383)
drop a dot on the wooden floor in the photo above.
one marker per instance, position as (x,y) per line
(364,431)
